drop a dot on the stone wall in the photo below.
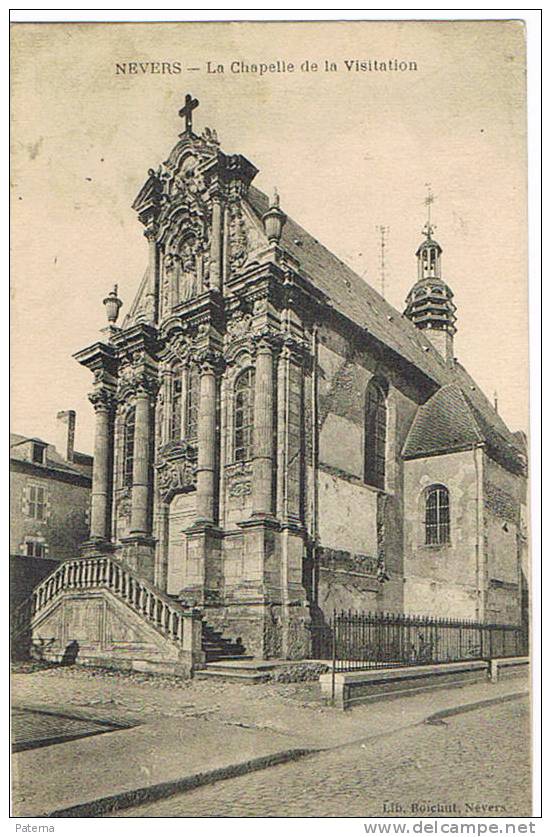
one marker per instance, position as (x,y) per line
(66,518)
(444,580)
(355,518)
(503,493)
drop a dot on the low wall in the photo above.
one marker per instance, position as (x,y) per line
(95,628)
(353,687)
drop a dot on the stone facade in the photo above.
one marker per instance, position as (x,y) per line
(252,414)
(49,500)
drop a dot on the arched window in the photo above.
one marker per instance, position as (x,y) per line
(375,435)
(243,415)
(192,404)
(176,404)
(437,515)
(128,457)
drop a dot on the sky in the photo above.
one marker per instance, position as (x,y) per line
(348,151)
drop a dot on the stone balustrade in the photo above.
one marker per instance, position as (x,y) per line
(88,573)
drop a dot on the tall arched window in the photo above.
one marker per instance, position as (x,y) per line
(437,515)
(192,404)
(128,453)
(243,416)
(375,435)
(176,404)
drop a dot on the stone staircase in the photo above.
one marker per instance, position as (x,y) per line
(217,647)
(239,670)
(104,614)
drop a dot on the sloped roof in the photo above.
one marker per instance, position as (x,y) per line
(353,297)
(459,414)
(81,465)
(456,418)
(444,423)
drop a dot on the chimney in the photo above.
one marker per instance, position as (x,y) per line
(65,436)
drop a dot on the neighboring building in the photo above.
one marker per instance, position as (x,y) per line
(50,494)
(274,440)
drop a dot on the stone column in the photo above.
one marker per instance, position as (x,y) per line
(139,518)
(263,432)
(151,235)
(101,475)
(216,244)
(206,439)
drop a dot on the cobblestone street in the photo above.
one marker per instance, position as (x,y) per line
(476,764)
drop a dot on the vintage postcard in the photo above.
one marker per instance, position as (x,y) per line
(269,455)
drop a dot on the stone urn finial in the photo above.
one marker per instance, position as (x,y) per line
(112,305)
(274,219)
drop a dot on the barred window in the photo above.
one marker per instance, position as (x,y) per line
(176,404)
(128,459)
(192,403)
(375,436)
(37,502)
(243,415)
(437,515)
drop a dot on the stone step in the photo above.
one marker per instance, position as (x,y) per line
(229,674)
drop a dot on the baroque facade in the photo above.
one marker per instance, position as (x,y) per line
(274,440)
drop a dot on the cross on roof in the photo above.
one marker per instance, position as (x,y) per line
(187,111)
(428,201)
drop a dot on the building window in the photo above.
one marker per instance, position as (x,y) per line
(35,549)
(192,403)
(176,405)
(375,436)
(128,458)
(243,415)
(437,515)
(37,502)
(38,453)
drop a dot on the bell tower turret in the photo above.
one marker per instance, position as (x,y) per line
(429,304)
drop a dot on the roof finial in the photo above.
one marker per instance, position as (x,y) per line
(275,198)
(429,227)
(495,401)
(187,113)
(384,233)
(112,305)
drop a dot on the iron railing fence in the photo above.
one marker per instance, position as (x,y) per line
(354,640)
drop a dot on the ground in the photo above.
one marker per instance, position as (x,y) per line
(480,759)
(163,730)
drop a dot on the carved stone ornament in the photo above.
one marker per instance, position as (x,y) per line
(239,325)
(237,236)
(184,232)
(124,506)
(239,479)
(176,469)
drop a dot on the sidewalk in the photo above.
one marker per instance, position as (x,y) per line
(186,730)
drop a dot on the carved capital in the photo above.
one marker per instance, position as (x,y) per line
(151,231)
(210,361)
(146,386)
(103,400)
(267,341)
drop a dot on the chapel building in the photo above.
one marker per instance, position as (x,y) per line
(275,441)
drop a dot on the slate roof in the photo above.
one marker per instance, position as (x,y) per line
(353,297)
(458,415)
(455,419)
(81,465)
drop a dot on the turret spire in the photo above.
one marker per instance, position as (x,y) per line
(429,304)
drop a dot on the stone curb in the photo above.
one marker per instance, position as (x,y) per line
(138,796)
(471,707)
